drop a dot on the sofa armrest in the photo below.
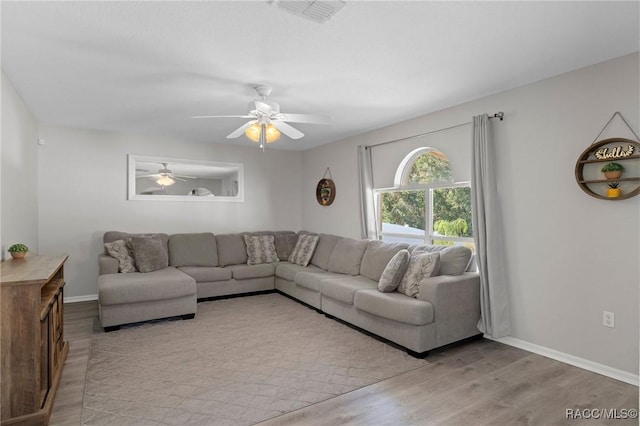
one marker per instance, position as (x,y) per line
(456,305)
(108,264)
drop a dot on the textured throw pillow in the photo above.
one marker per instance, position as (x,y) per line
(149,253)
(121,250)
(260,249)
(394,271)
(303,251)
(421,266)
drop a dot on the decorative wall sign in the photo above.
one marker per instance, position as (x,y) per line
(326,190)
(609,169)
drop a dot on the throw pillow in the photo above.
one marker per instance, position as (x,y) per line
(454,260)
(394,271)
(421,266)
(149,253)
(121,250)
(284,244)
(303,251)
(260,249)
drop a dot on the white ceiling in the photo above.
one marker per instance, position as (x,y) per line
(147,67)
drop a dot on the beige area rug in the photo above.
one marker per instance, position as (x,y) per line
(239,362)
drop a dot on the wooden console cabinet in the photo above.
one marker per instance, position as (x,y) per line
(31,338)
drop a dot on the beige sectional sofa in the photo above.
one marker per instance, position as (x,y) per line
(341,281)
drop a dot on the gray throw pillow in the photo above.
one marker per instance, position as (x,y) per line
(303,251)
(260,249)
(394,271)
(149,253)
(121,250)
(421,265)
(285,243)
(454,260)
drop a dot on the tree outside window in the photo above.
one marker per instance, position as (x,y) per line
(436,210)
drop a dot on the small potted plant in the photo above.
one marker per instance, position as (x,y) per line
(612,170)
(614,191)
(18,251)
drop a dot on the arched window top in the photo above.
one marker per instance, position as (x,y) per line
(423,166)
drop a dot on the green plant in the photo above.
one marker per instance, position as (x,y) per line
(612,167)
(614,185)
(18,248)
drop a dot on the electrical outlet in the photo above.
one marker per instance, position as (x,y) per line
(608,319)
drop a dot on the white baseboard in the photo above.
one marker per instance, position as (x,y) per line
(76,299)
(585,364)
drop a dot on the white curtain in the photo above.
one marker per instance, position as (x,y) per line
(487,226)
(368,224)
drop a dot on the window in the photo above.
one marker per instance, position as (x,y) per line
(426,205)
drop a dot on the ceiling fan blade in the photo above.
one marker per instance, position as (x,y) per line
(305,118)
(148,176)
(288,130)
(240,130)
(223,116)
(185,177)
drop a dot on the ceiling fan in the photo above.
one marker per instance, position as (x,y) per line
(166,177)
(267,122)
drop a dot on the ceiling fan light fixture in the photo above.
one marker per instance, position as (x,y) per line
(270,132)
(165,181)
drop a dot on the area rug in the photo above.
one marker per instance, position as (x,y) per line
(239,362)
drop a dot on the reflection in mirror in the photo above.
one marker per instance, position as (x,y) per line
(159,178)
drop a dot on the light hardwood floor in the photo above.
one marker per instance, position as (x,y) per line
(476,383)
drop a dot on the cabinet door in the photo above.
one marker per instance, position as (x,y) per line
(54,334)
(45,350)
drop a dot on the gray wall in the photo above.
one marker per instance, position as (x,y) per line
(83,193)
(19,172)
(569,256)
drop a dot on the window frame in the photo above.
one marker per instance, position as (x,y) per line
(428,236)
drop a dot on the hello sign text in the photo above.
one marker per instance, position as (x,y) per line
(617,152)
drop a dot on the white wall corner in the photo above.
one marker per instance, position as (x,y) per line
(605,370)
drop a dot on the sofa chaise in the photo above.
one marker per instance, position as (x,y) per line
(341,280)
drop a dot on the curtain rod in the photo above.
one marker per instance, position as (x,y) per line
(498,115)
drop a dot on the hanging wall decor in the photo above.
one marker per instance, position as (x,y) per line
(609,169)
(326,189)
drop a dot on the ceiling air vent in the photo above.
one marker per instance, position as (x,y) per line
(319,11)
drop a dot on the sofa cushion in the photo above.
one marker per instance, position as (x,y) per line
(311,280)
(243,272)
(111,236)
(454,260)
(421,265)
(304,249)
(231,249)
(394,271)
(122,252)
(193,250)
(260,249)
(394,306)
(288,270)
(167,283)
(346,256)
(207,274)
(149,253)
(377,256)
(343,289)
(326,244)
